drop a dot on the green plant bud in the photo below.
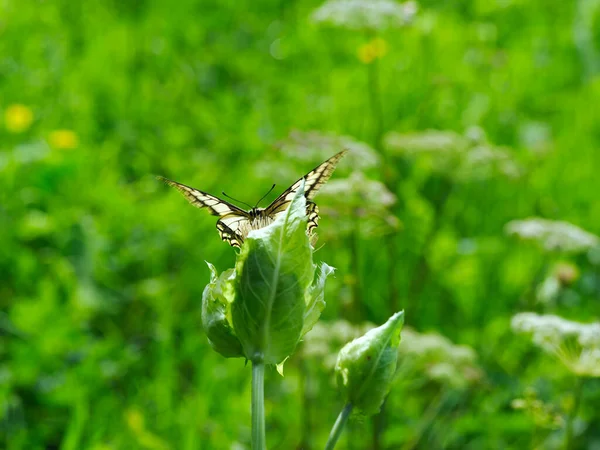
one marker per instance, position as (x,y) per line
(365,366)
(216,314)
(275,298)
(261,309)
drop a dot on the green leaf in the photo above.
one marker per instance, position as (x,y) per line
(315,298)
(274,272)
(216,302)
(366,366)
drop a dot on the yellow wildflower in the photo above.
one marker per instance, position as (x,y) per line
(135,420)
(372,50)
(18,118)
(63,139)
(380,47)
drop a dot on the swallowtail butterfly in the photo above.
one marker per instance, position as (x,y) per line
(234,223)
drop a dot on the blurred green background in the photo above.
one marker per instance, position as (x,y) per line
(461,116)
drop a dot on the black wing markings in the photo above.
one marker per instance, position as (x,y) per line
(314,180)
(230,216)
(234,222)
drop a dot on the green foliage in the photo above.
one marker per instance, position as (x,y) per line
(102,268)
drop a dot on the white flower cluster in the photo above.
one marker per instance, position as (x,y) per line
(466,157)
(360,191)
(365,14)
(553,235)
(426,142)
(438,358)
(359,197)
(575,344)
(317,146)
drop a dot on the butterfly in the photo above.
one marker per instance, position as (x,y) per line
(234,223)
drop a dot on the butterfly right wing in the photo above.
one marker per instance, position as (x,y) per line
(232,220)
(313,181)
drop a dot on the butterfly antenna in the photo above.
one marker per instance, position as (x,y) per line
(235,200)
(319,248)
(263,197)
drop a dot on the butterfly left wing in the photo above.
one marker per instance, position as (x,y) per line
(232,220)
(313,182)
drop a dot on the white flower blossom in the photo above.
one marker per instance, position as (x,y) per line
(357,198)
(483,161)
(365,14)
(359,191)
(430,142)
(575,344)
(317,146)
(553,235)
(465,157)
(437,358)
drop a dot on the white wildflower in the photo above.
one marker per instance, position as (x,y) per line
(575,344)
(359,198)
(427,142)
(359,191)
(317,146)
(553,235)
(465,157)
(365,14)
(438,358)
(483,161)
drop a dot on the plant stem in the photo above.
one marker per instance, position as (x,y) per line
(375,101)
(338,427)
(577,394)
(306,392)
(258,405)
(356,313)
(378,427)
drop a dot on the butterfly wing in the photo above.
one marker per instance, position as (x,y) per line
(313,182)
(231,218)
(233,238)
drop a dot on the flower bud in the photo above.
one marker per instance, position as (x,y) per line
(366,366)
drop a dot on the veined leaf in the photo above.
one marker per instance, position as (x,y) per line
(274,273)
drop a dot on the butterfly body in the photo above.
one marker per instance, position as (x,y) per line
(234,223)
(257,219)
